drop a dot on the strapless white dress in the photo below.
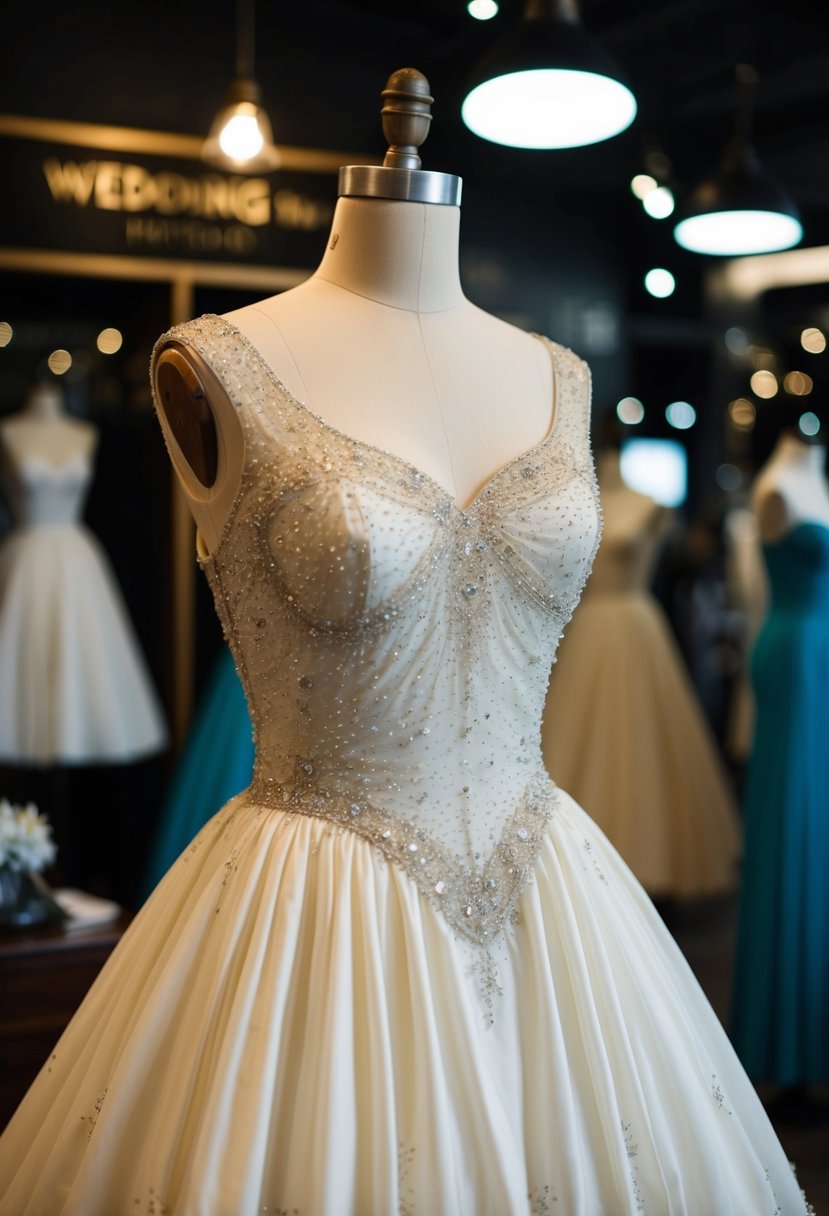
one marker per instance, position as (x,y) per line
(403,972)
(74,686)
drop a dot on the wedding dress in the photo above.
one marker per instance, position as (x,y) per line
(74,686)
(625,735)
(403,972)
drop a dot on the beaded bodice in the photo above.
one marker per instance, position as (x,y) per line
(394,647)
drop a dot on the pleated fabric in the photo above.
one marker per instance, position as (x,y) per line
(624,734)
(289,1026)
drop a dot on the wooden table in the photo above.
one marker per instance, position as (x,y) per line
(44,975)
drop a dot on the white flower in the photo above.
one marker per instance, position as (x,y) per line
(25,838)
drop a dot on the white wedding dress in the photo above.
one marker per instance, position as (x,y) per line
(403,972)
(74,687)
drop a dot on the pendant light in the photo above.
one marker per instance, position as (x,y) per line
(548,85)
(742,210)
(241,138)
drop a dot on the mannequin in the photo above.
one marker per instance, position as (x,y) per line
(791,487)
(382,344)
(629,513)
(327,1005)
(74,688)
(44,431)
(781,994)
(622,729)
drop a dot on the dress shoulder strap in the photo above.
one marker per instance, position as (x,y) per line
(573,398)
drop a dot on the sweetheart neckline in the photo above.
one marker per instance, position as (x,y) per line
(52,465)
(484,488)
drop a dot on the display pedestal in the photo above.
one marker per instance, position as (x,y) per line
(44,975)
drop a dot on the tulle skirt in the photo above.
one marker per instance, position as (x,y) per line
(74,687)
(623,733)
(290,1027)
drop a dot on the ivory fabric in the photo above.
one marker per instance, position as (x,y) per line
(306,1017)
(623,732)
(74,686)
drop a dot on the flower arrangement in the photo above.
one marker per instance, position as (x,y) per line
(25,838)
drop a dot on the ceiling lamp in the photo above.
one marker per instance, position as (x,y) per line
(241,138)
(743,209)
(549,84)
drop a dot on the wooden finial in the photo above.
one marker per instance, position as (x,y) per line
(406,117)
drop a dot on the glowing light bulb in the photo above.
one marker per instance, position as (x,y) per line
(809,423)
(727,233)
(241,138)
(482,10)
(549,108)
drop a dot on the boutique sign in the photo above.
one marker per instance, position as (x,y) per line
(98,201)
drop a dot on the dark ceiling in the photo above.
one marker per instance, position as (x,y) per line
(323,62)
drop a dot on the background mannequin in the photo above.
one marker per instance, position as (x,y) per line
(43,430)
(622,729)
(791,487)
(74,688)
(781,992)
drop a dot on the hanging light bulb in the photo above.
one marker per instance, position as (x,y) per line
(241,137)
(743,210)
(548,85)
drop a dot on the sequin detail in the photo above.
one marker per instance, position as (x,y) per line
(394,645)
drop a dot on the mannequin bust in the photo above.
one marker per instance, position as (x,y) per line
(380,342)
(633,528)
(42,430)
(791,487)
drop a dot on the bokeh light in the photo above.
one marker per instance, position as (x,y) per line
(764,384)
(630,410)
(681,415)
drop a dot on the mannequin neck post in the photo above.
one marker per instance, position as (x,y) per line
(401,254)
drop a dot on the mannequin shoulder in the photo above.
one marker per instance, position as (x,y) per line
(193,405)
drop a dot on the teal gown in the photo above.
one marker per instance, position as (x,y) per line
(216,764)
(780,1022)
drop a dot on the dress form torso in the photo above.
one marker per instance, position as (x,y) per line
(381,343)
(791,489)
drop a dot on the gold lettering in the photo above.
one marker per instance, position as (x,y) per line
(174,193)
(216,198)
(292,210)
(109,186)
(252,201)
(238,239)
(138,188)
(70,182)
